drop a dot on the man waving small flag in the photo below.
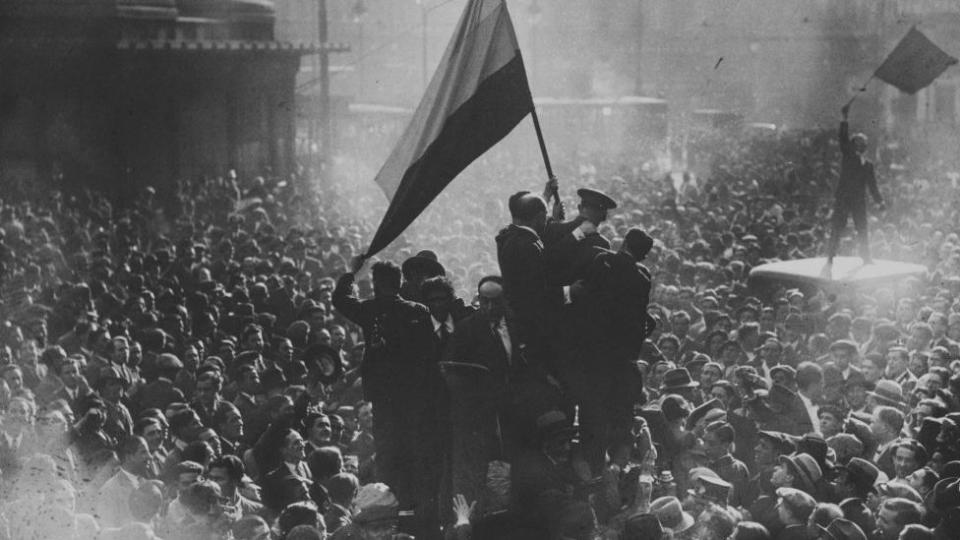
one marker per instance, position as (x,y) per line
(478,94)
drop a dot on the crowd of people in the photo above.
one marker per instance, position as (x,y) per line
(214,360)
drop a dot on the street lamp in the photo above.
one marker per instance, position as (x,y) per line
(358,13)
(535,16)
(424,12)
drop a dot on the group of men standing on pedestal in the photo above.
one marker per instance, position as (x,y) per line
(581,309)
(558,330)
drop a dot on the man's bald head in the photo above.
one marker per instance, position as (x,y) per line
(493,303)
(490,289)
(526,206)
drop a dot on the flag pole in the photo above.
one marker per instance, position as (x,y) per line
(543,150)
(862,89)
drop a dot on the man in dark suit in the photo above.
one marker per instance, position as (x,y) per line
(74,387)
(291,481)
(487,374)
(610,324)
(533,293)
(856,176)
(398,336)
(161,392)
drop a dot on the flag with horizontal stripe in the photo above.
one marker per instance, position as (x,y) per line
(478,94)
(914,63)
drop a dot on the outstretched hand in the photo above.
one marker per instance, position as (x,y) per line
(462,510)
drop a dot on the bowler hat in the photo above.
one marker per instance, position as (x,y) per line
(596,198)
(677,379)
(424,263)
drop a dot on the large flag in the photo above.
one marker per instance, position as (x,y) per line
(477,96)
(914,63)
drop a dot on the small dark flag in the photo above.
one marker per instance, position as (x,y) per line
(914,63)
(477,96)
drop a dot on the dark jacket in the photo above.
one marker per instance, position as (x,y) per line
(158,395)
(856,174)
(281,486)
(615,301)
(398,336)
(532,293)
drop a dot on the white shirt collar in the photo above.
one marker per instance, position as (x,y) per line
(437,324)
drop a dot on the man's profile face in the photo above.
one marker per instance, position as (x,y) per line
(592,213)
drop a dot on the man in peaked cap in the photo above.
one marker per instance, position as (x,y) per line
(572,245)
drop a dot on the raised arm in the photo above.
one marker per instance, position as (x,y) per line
(345,299)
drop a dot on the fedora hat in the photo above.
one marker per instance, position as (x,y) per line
(644,526)
(677,379)
(862,473)
(671,515)
(805,469)
(888,392)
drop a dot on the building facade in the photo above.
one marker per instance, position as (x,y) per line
(118,94)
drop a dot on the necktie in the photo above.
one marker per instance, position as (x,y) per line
(444,335)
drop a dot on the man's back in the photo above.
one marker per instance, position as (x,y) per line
(520,254)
